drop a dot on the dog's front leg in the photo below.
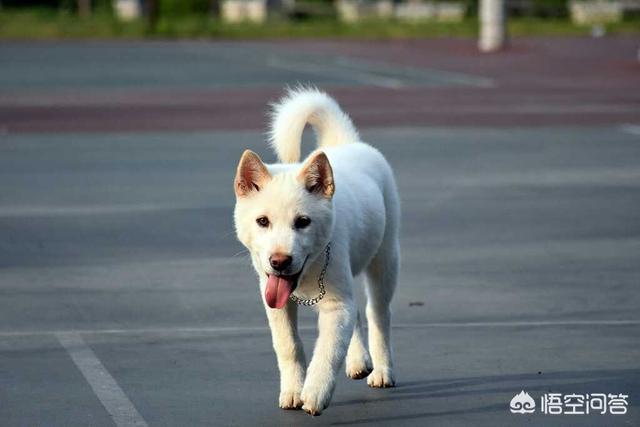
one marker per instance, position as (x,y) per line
(335,327)
(289,352)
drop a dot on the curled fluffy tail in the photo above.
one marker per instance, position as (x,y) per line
(299,107)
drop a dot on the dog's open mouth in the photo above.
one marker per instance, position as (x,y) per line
(279,287)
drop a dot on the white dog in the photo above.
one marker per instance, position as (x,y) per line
(311,227)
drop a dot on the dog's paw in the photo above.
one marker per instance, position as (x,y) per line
(290,400)
(358,370)
(314,401)
(381,378)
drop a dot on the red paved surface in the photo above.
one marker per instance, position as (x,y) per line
(545,81)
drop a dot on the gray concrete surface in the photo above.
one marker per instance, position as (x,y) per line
(126,300)
(75,66)
(155,86)
(521,249)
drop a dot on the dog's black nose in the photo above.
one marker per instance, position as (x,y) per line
(280,262)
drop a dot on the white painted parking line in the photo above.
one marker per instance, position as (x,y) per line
(117,404)
(417,74)
(390,76)
(532,324)
(265,328)
(88,210)
(631,129)
(325,70)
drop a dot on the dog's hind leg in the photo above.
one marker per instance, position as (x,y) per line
(358,362)
(289,352)
(381,279)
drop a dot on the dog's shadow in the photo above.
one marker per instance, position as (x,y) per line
(456,389)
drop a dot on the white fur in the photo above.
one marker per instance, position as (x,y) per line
(301,106)
(361,220)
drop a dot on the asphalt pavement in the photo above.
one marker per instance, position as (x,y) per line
(126,299)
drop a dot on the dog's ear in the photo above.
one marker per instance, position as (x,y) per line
(252,174)
(317,175)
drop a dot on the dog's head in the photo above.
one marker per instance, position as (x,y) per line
(284,219)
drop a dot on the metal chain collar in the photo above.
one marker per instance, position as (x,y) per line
(313,301)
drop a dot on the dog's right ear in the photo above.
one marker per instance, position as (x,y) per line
(252,174)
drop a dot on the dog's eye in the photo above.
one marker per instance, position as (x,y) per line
(263,221)
(302,222)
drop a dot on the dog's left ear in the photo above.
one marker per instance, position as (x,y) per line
(317,175)
(252,174)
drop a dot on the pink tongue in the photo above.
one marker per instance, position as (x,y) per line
(278,291)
